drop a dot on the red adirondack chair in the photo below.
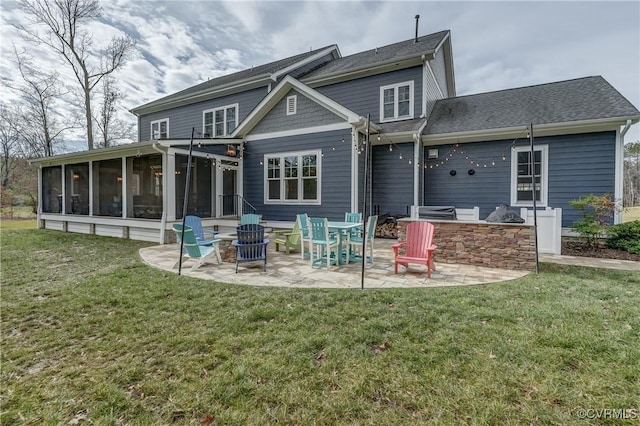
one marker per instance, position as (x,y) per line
(418,247)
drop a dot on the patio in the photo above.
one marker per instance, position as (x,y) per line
(290,271)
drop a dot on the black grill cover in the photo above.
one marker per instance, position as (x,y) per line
(502,214)
(437,212)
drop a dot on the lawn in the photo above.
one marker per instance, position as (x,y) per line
(630,214)
(90,334)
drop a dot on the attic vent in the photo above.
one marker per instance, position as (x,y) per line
(292,102)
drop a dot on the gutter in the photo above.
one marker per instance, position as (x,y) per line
(545,128)
(160,105)
(625,129)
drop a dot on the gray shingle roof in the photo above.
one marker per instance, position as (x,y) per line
(404,49)
(581,99)
(266,69)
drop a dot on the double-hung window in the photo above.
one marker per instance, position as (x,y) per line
(221,121)
(292,178)
(160,129)
(525,174)
(396,101)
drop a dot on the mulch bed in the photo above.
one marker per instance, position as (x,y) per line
(577,248)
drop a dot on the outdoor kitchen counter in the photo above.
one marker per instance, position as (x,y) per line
(481,243)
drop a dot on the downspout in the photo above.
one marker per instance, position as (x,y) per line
(418,193)
(165,177)
(355,166)
(624,130)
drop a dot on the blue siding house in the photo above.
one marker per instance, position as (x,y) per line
(291,136)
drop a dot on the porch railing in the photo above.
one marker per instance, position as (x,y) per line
(236,205)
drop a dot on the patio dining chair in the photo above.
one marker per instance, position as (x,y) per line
(251,245)
(354,217)
(193,250)
(305,235)
(356,241)
(324,247)
(204,237)
(418,247)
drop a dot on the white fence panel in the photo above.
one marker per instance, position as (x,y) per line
(549,228)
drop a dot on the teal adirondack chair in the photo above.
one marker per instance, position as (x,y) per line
(250,219)
(193,250)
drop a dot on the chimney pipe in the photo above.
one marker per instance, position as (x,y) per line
(416,39)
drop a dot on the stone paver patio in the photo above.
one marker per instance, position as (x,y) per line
(291,271)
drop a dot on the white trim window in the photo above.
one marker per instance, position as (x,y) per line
(521,176)
(160,129)
(292,104)
(217,122)
(292,178)
(396,101)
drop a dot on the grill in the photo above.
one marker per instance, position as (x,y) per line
(437,212)
(503,214)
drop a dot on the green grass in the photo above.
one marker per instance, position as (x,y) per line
(89,333)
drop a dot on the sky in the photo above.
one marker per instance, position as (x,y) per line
(496,45)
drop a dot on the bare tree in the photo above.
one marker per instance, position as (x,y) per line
(9,142)
(110,127)
(632,174)
(41,128)
(64,22)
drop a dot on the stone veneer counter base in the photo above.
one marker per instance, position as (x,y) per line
(494,245)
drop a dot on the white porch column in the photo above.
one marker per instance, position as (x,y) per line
(91,188)
(169,167)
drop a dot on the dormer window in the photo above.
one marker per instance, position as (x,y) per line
(292,104)
(396,101)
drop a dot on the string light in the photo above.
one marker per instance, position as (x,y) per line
(470,158)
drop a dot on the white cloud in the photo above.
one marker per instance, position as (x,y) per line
(496,45)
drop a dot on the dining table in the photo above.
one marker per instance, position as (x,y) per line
(341,229)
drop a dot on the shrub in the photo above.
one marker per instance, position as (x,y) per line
(625,236)
(596,212)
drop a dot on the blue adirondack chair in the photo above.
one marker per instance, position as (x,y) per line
(204,237)
(193,250)
(251,245)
